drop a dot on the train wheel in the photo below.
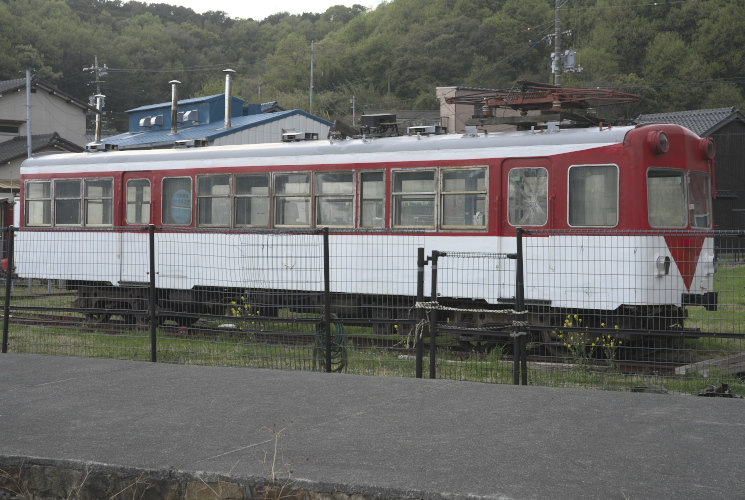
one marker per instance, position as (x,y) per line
(99,317)
(553,344)
(482,346)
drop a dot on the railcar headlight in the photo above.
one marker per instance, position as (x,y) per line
(659,142)
(708,148)
(662,265)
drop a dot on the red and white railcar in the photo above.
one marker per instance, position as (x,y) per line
(640,196)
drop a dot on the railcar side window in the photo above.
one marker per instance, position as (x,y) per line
(463,195)
(38,203)
(593,195)
(414,198)
(334,199)
(99,202)
(138,201)
(177,200)
(699,200)
(527,203)
(252,200)
(372,199)
(666,198)
(67,202)
(213,200)
(292,199)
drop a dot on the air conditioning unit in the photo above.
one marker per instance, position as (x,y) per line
(145,122)
(101,146)
(299,136)
(156,120)
(191,143)
(427,130)
(191,116)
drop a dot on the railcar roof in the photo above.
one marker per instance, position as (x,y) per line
(389,149)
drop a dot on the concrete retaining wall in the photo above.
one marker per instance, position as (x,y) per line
(23,478)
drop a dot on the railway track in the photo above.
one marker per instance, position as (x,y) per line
(294,335)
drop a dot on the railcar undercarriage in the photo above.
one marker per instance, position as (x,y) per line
(476,326)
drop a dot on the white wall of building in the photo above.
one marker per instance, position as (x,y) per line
(272,132)
(49,114)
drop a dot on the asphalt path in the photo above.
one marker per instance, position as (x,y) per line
(392,437)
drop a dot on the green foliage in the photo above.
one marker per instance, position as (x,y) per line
(677,55)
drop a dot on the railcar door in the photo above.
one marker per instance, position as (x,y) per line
(136,213)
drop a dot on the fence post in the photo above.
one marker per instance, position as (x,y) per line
(419,327)
(8,286)
(520,363)
(153,299)
(327,297)
(433,316)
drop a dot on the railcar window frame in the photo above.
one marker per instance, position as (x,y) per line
(106,201)
(138,202)
(371,208)
(246,200)
(334,203)
(299,201)
(210,204)
(164,205)
(695,212)
(69,205)
(538,202)
(655,197)
(456,199)
(399,196)
(616,205)
(44,202)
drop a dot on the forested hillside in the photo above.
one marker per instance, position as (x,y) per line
(679,55)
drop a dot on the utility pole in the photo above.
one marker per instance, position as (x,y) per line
(558,60)
(353,101)
(98,71)
(29,147)
(99,106)
(312,61)
(97,99)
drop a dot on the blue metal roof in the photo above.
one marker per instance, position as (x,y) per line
(183,102)
(208,131)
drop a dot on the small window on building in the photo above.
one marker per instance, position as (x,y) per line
(138,201)
(177,201)
(38,203)
(213,200)
(414,198)
(334,199)
(593,196)
(464,198)
(699,200)
(666,198)
(372,199)
(292,200)
(67,202)
(252,200)
(527,203)
(99,202)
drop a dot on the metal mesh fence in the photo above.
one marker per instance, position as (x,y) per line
(228,298)
(646,311)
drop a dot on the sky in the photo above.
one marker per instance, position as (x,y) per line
(259,10)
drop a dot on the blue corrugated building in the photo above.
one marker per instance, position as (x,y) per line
(202,122)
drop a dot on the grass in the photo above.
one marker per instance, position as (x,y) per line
(272,344)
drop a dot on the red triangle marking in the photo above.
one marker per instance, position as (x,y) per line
(685,251)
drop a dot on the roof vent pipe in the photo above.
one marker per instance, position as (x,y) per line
(228,96)
(174,106)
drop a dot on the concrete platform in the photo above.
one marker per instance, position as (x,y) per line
(385,437)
